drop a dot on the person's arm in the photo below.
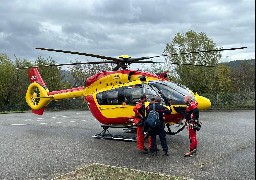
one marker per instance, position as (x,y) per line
(147,110)
(136,110)
(196,114)
(188,115)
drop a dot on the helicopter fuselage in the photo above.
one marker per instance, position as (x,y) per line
(112,95)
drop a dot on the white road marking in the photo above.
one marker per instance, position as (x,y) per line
(72,121)
(58,122)
(83,120)
(43,123)
(64,116)
(18,124)
(53,117)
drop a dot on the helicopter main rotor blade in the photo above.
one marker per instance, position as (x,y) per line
(122,62)
(205,51)
(82,54)
(147,62)
(67,64)
(133,60)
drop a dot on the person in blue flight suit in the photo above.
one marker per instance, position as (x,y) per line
(159,130)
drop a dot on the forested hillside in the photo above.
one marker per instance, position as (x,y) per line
(233,85)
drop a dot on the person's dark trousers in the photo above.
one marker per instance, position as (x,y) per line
(162,136)
(153,137)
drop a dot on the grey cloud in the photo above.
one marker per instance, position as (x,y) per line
(114,27)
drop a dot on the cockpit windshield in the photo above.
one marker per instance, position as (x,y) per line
(171,92)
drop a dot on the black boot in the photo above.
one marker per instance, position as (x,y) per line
(190,153)
(144,151)
(151,150)
(166,153)
(154,153)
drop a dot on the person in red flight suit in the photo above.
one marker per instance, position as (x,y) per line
(140,115)
(193,125)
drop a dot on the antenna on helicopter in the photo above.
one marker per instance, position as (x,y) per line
(143,80)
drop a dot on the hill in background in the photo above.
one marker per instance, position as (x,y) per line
(236,63)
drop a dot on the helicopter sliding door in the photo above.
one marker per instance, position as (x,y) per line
(120,102)
(133,93)
(129,95)
(112,105)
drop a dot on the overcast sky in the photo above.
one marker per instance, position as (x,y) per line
(116,27)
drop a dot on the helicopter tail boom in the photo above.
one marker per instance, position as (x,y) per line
(38,95)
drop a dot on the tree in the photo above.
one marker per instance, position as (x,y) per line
(81,72)
(51,75)
(197,78)
(21,84)
(243,77)
(223,80)
(7,81)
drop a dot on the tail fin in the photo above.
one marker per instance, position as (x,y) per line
(34,76)
(38,112)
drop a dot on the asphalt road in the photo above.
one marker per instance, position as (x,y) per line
(43,147)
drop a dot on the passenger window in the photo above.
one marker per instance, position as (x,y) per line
(112,97)
(132,94)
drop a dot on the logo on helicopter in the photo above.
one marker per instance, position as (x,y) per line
(116,77)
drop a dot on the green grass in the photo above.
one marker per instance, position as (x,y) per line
(104,172)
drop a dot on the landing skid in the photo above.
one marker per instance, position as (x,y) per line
(105,134)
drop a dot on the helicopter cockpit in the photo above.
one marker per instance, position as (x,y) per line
(171,92)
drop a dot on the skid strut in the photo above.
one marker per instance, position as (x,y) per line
(105,134)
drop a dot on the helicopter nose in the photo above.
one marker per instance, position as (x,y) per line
(203,102)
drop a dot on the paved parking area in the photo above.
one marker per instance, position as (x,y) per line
(33,147)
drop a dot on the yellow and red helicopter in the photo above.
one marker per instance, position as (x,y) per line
(111,95)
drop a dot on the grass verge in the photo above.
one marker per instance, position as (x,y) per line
(105,172)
